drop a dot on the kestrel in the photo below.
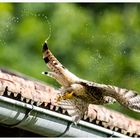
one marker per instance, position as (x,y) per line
(76,94)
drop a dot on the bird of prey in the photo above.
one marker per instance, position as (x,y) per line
(76,94)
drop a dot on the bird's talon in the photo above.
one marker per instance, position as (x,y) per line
(67,95)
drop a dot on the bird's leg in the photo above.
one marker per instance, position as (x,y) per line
(65,93)
(69,92)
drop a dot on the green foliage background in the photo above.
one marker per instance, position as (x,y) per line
(98,42)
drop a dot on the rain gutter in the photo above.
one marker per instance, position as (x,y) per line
(47,123)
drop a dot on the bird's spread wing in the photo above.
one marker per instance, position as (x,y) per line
(58,71)
(127,98)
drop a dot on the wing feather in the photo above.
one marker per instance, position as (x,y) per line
(75,107)
(60,73)
(127,98)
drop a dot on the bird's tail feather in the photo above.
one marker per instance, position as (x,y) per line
(76,108)
(128,98)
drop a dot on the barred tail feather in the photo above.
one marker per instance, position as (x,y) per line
(75,108)
(134,103)
(128,98)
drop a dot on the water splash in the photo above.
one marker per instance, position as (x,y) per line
(43,16)
(11,23)
(50,29)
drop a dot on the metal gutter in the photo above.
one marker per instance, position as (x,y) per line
(46,122)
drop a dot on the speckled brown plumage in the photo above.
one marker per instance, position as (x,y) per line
(85,92)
